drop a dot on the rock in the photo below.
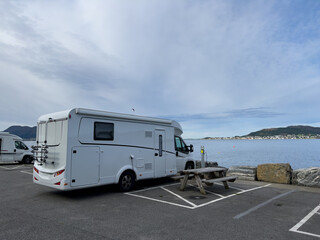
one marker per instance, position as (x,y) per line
(243,172)
(276,173)
(309,177)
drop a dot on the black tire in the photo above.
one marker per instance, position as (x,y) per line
(126,181)
(189,165)
(27,159)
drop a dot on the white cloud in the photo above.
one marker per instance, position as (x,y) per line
(159,57)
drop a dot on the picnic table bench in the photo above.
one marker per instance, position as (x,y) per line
(199,173)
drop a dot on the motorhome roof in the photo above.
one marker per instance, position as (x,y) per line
(11,135)
(90,112)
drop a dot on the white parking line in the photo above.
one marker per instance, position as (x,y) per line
(178,196)
(304,220)
(157,200)
(152,188)
(213,193)
(16,167)
(232,195)
(10,168)
(26,172)
(262,204)
(194,206)
(240,189)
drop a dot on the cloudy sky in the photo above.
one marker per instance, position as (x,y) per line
(220,68)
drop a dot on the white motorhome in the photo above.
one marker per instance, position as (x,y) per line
(81,148)
(12,149)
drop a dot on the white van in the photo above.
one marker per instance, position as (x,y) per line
(81,148)
(12,149)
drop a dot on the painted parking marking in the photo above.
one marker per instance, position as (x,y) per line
(304,220)
(216,194)
(261,205)
(178,196)
(234,194)
(31,173)
(190,204)
(10,168)
(17,167)
(156,200)
(240,189)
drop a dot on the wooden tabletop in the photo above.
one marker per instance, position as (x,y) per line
(205,170)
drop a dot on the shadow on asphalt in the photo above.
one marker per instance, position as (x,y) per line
(15,163)
(92,192)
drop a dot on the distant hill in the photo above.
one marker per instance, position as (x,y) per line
(26,133)
(291,130)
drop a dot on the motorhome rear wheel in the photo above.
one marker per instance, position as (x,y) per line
(126,181)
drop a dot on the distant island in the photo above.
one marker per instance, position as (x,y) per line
(25,132)
(290,132)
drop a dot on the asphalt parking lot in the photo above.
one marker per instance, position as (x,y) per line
(156,210)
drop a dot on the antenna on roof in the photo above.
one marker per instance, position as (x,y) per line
(133,109)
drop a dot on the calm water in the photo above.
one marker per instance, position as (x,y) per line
(298,153)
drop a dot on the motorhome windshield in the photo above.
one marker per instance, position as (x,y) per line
(180,145)
(20,145)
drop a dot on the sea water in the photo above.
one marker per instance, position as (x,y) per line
(299,153)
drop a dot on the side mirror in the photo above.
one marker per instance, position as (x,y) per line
(177,154)
(191,148)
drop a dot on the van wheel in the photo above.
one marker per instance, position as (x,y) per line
(27,159)
(189,165)
(126,181)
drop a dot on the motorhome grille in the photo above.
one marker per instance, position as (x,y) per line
(148,166)
(148,134)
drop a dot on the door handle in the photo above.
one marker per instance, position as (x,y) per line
(156,154)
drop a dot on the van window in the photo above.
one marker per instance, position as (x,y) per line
(103,131)
(20,145)
(180,145)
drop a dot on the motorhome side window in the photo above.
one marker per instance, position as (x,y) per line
(180,145)
(103,131)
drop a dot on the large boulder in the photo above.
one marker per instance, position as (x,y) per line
(243,172)
(309,177)
(276,173)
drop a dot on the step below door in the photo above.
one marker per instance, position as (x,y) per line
(85,166)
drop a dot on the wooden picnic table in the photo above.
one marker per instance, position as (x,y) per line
(199,173)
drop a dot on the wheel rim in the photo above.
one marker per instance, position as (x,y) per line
(126,182)
(189,166)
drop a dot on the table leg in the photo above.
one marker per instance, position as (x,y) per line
(199,182)
(184,181)
(225,184)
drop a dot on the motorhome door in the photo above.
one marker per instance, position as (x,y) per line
(19,150)
(160,154)
(85,166)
